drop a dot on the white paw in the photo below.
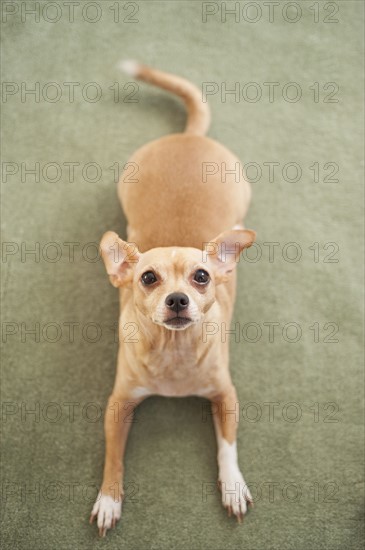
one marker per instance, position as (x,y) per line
(107,511)
(235,493)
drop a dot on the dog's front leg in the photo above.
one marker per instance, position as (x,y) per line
(118,418)
(235,492)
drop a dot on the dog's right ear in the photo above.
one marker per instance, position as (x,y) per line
(119,258)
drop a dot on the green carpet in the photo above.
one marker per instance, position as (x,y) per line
(301,432)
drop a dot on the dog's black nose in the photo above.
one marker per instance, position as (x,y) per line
(177,301)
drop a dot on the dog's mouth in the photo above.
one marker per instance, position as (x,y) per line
(177,322)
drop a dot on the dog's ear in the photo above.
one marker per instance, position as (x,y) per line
(119,258)
(224,251)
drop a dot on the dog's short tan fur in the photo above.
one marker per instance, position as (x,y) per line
(177,224)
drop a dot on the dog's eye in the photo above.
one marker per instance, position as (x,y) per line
(148,278)
(201,277)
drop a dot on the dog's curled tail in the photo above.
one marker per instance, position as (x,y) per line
(198,111)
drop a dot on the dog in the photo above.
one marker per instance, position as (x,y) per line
(175,273)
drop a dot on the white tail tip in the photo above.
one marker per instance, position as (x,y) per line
(129,67)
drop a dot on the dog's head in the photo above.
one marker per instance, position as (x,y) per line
(174,286)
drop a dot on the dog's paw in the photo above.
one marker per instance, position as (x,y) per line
(235,493)
(107,511)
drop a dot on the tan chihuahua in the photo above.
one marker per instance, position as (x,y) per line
(175,275)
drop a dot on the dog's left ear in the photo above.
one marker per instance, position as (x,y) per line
(224,251)
(119,258)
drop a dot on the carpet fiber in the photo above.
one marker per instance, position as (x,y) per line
(285,89)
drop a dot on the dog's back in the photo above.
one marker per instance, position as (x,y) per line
(184,187)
